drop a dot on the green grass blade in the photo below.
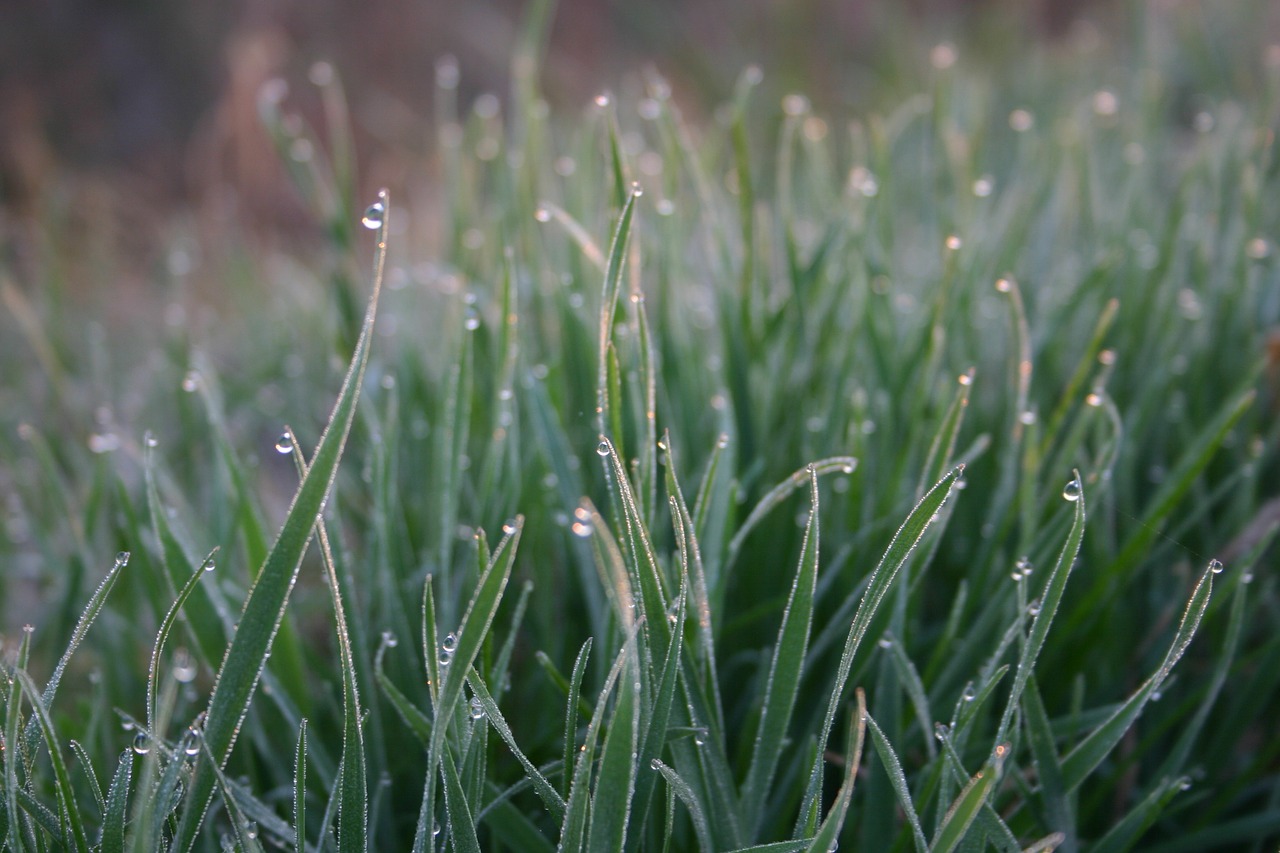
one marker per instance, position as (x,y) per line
(1049,602)
(609,306)
(900,547)
(943,447)
(166,625)
(571,710)
(264,608)
(69,810)
(779,493)
(462,827)
(968,804)
(898,779)
(117,805)
(829,832)
(687,796)
(786,668)
(1090,752)
(95,786)
(15,748)
(616,779)
(493,715)
(1044,752)
(300,789)
(1129,829)
(414,719)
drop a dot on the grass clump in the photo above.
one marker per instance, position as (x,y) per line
(907,488)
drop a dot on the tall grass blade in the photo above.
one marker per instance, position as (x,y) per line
(686,795)
(493,715)
(609,306)
(898,779)
(166,625)
(1090,752)
(68,810)
(900,547)
(117,805)
(300,789)
(786,668)
(968,804)
(264,608)
(829,832)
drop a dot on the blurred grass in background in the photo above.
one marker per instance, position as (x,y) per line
(976,237)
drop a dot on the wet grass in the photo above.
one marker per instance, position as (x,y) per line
(765,483)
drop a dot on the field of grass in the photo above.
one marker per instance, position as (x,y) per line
(901,481)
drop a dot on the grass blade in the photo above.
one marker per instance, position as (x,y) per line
(117,805)
(69,810)
(968,804)
(786,668)
(686,795)
(300,789)
(898,779)
(900,548)
(827,836)
(264,607)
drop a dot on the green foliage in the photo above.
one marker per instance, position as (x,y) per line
(623,312)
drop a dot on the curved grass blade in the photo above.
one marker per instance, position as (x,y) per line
(117,805)
(775,496)
(1048,609)
(94,785)
(829,832)
(413,718)
(616,779)
(690,799)
(969,803)
(1053,791)
(166,625)
(69,810)
(898,779)
(264,607)
(1090,752)
(91,611)
(943,446)
(462,827)
(1128,830)
(15,748)
(550,798)
(786,669)
(900,548)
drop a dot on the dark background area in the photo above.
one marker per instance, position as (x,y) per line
(161,95)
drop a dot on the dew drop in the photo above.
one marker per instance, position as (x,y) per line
(184,668)
(954,242)
(149,439)
(603,448)
(699,737)
(374,215)
(1027,418)
(602,100)
(542,214)
(636,191)
(250,830)
(1184,784)
(581,530)
(1215,566)
(284,444)
(1003,285)
(1247,577)
(1033,609)
(477,708)
(655,763)
(885,643)
(210,565)
(968,695)
(1024,566)
(389,640)
(450,643)
(435,829)
(122,558)
(472,320)
(1094,400)
(941,731)
(1071,491)
(190,381)
(509,526)
(1021,121)
(445,658)
(141,744)
(191,743)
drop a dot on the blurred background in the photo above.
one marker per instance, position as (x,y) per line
(138,106)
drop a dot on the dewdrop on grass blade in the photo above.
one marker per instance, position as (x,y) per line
(284,444)
(374,215)
(141,743)
(1071,491)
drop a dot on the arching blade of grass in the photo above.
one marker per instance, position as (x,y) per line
(900,548)
(162,634)
(1044,752)
(1126,833)
(1090,752)
(414,719)
(829,832)
(943,446)
(898,779)
(1049,602)
(14,748)
(91,611)
(687,796)
(968,804)
(786,669)
(69,809)
(571,712)
(264,607)
(493,715)
(616,779)
(609,306)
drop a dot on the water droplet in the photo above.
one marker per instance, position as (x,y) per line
(1016,575)
(941,731)
(1033,609)
(1257,248)
(885,643)
(184,668)
(191,743)
(103,442)
(1003,285)
(149,439)
(1247,577)
(603,448)
(445,657)
(1105,103)
(1024,566)
(542,214)
(1071,491)
(954,242)
(1184,784)
(1157,696)
(450,643)
(1021,121)
(210,565)
(699,736)
(1215,566)
(435,829)
(250,830)
(968,695)
(965,379)
(1027,418)
(943,56)
(374,215)
(602,100)
(389,640)
(581,530)
(655,763)
(636,191)
(471,320)
(141,743)
(1094,400)
(284,444)
(477,708)
(984,186)
(191,381)
(122,558)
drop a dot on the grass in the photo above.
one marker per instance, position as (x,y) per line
(760,483)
